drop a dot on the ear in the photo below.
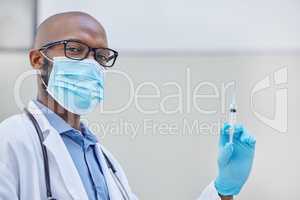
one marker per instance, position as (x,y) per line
(36,58)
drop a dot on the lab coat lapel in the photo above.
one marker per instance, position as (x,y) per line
(57,148)
(114,192)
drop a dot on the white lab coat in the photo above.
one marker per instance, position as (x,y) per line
(21,164)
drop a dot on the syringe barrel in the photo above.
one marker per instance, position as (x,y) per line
(232,121)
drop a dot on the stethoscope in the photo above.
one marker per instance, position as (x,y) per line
(111,168)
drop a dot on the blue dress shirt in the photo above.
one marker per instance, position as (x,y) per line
(81,146)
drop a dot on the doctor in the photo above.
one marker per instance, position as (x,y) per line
(47,153)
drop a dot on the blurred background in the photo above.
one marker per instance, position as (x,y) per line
(167,95)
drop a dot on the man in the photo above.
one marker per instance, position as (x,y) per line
(70,53)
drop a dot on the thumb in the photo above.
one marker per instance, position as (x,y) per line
(225,154)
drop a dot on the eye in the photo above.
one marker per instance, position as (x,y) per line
(110,58)
(102,58)
(105,57)
(74,49)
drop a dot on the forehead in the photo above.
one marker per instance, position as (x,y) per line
(80,28)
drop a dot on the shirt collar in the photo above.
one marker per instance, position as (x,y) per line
(61,126)
(88,134)
(55,120)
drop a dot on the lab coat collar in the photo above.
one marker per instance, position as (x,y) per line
(56,147)
(71,178)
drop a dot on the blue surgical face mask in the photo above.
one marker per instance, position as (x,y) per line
(76,85)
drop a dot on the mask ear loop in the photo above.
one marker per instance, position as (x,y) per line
(43,54)
(39,72)
(43,82)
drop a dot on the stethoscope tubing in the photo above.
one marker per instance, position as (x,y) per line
(112,169)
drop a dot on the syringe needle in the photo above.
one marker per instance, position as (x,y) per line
(232,116)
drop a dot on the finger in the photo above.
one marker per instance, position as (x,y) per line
(225,154)
(248,139)
(224,135)
(238,131)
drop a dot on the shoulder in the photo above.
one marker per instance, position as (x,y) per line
(13,130)
(11,122)
(16,144)
(13,125)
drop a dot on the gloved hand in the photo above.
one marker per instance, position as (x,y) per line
(235,160)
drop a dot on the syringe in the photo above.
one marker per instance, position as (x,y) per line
(232,118)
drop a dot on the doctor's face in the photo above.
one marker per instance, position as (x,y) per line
(72,35)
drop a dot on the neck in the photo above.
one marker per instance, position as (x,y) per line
(72,119)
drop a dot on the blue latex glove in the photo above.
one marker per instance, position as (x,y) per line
(235,160)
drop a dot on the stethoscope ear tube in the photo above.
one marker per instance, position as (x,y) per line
(45,155)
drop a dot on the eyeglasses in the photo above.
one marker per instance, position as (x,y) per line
(77,50)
